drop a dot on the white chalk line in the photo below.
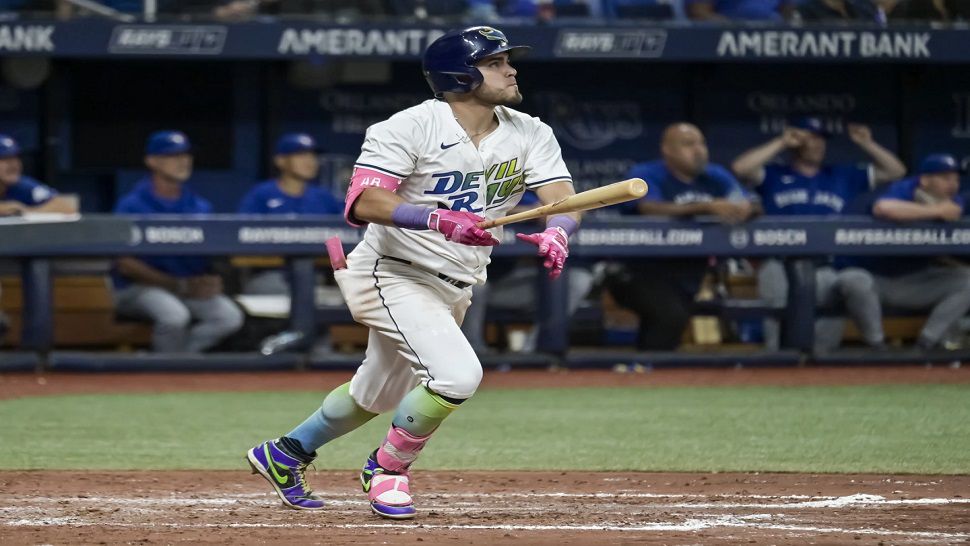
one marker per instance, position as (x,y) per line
(693,524)
(856,500)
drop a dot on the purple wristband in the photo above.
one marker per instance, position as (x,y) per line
(410,216)
(565,222)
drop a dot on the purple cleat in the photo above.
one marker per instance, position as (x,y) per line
(286,474)
(389,494)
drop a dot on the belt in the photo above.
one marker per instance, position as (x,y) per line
(442,276)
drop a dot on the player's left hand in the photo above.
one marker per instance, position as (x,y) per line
(553,245)
(859,133)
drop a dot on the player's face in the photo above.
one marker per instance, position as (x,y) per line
(812,149)
(10,170)
(686,151)
(498,87)
(176,167)
(941,185)
(303,166)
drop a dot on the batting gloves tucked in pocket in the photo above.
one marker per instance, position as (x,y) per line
(553,245)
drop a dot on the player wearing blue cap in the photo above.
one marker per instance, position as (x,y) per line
(806,185)
(20,193)
(172,291)
(291,193)
(924,283)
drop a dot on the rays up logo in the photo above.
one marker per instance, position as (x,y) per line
(494,34)
(591,124)
(502,181)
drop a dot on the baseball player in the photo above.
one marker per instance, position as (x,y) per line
(924,283)
(424,179)
(290,193)
(682,184)
(807,186)
(172,291)
(20,193)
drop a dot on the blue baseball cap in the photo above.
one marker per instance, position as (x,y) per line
(939,163)
(294,143)
(8,147)
(167,143)
(812,125)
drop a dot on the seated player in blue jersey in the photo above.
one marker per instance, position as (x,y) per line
(805,185)
(682,184)
(291,193)
(924,283)
(20,193)
(179,294)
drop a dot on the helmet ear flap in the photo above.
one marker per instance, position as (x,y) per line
(471,79)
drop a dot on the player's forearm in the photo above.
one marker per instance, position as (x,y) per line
(888,166)
(749,165)
(58,204)
(558,191)
(143,273)
(376,205)
(904,211)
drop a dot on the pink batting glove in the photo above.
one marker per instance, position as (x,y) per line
(459,227)
(553,245)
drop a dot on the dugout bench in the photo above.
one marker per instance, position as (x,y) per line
(37,245)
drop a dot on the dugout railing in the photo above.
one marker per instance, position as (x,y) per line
(800,241)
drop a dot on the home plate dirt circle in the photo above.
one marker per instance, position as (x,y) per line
(490,507)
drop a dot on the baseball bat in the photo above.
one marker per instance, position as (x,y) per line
(604,196)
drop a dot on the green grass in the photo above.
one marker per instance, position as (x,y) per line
(900,429)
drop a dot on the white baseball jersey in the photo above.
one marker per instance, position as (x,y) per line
(440,167)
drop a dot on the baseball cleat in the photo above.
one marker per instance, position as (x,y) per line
(389,494)
(286,474)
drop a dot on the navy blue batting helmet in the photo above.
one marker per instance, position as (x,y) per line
(449,62)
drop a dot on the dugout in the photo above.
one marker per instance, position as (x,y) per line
(607,90)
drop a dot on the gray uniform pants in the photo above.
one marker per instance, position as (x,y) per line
(216,317)
(942,290)
(517,290)
(856,287)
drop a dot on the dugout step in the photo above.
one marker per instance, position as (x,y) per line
(676,359)
(905,356)
(334,361)
(18,361)
(496,360)
(169,362)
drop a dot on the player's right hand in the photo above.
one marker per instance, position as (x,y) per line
(792,137)
(204,287)
(10,208)
(731,212)
(459,227)
(949,211)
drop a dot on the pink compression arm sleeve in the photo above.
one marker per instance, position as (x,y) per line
(360,181)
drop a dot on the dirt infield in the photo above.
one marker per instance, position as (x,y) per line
(61,507)
(489,508)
